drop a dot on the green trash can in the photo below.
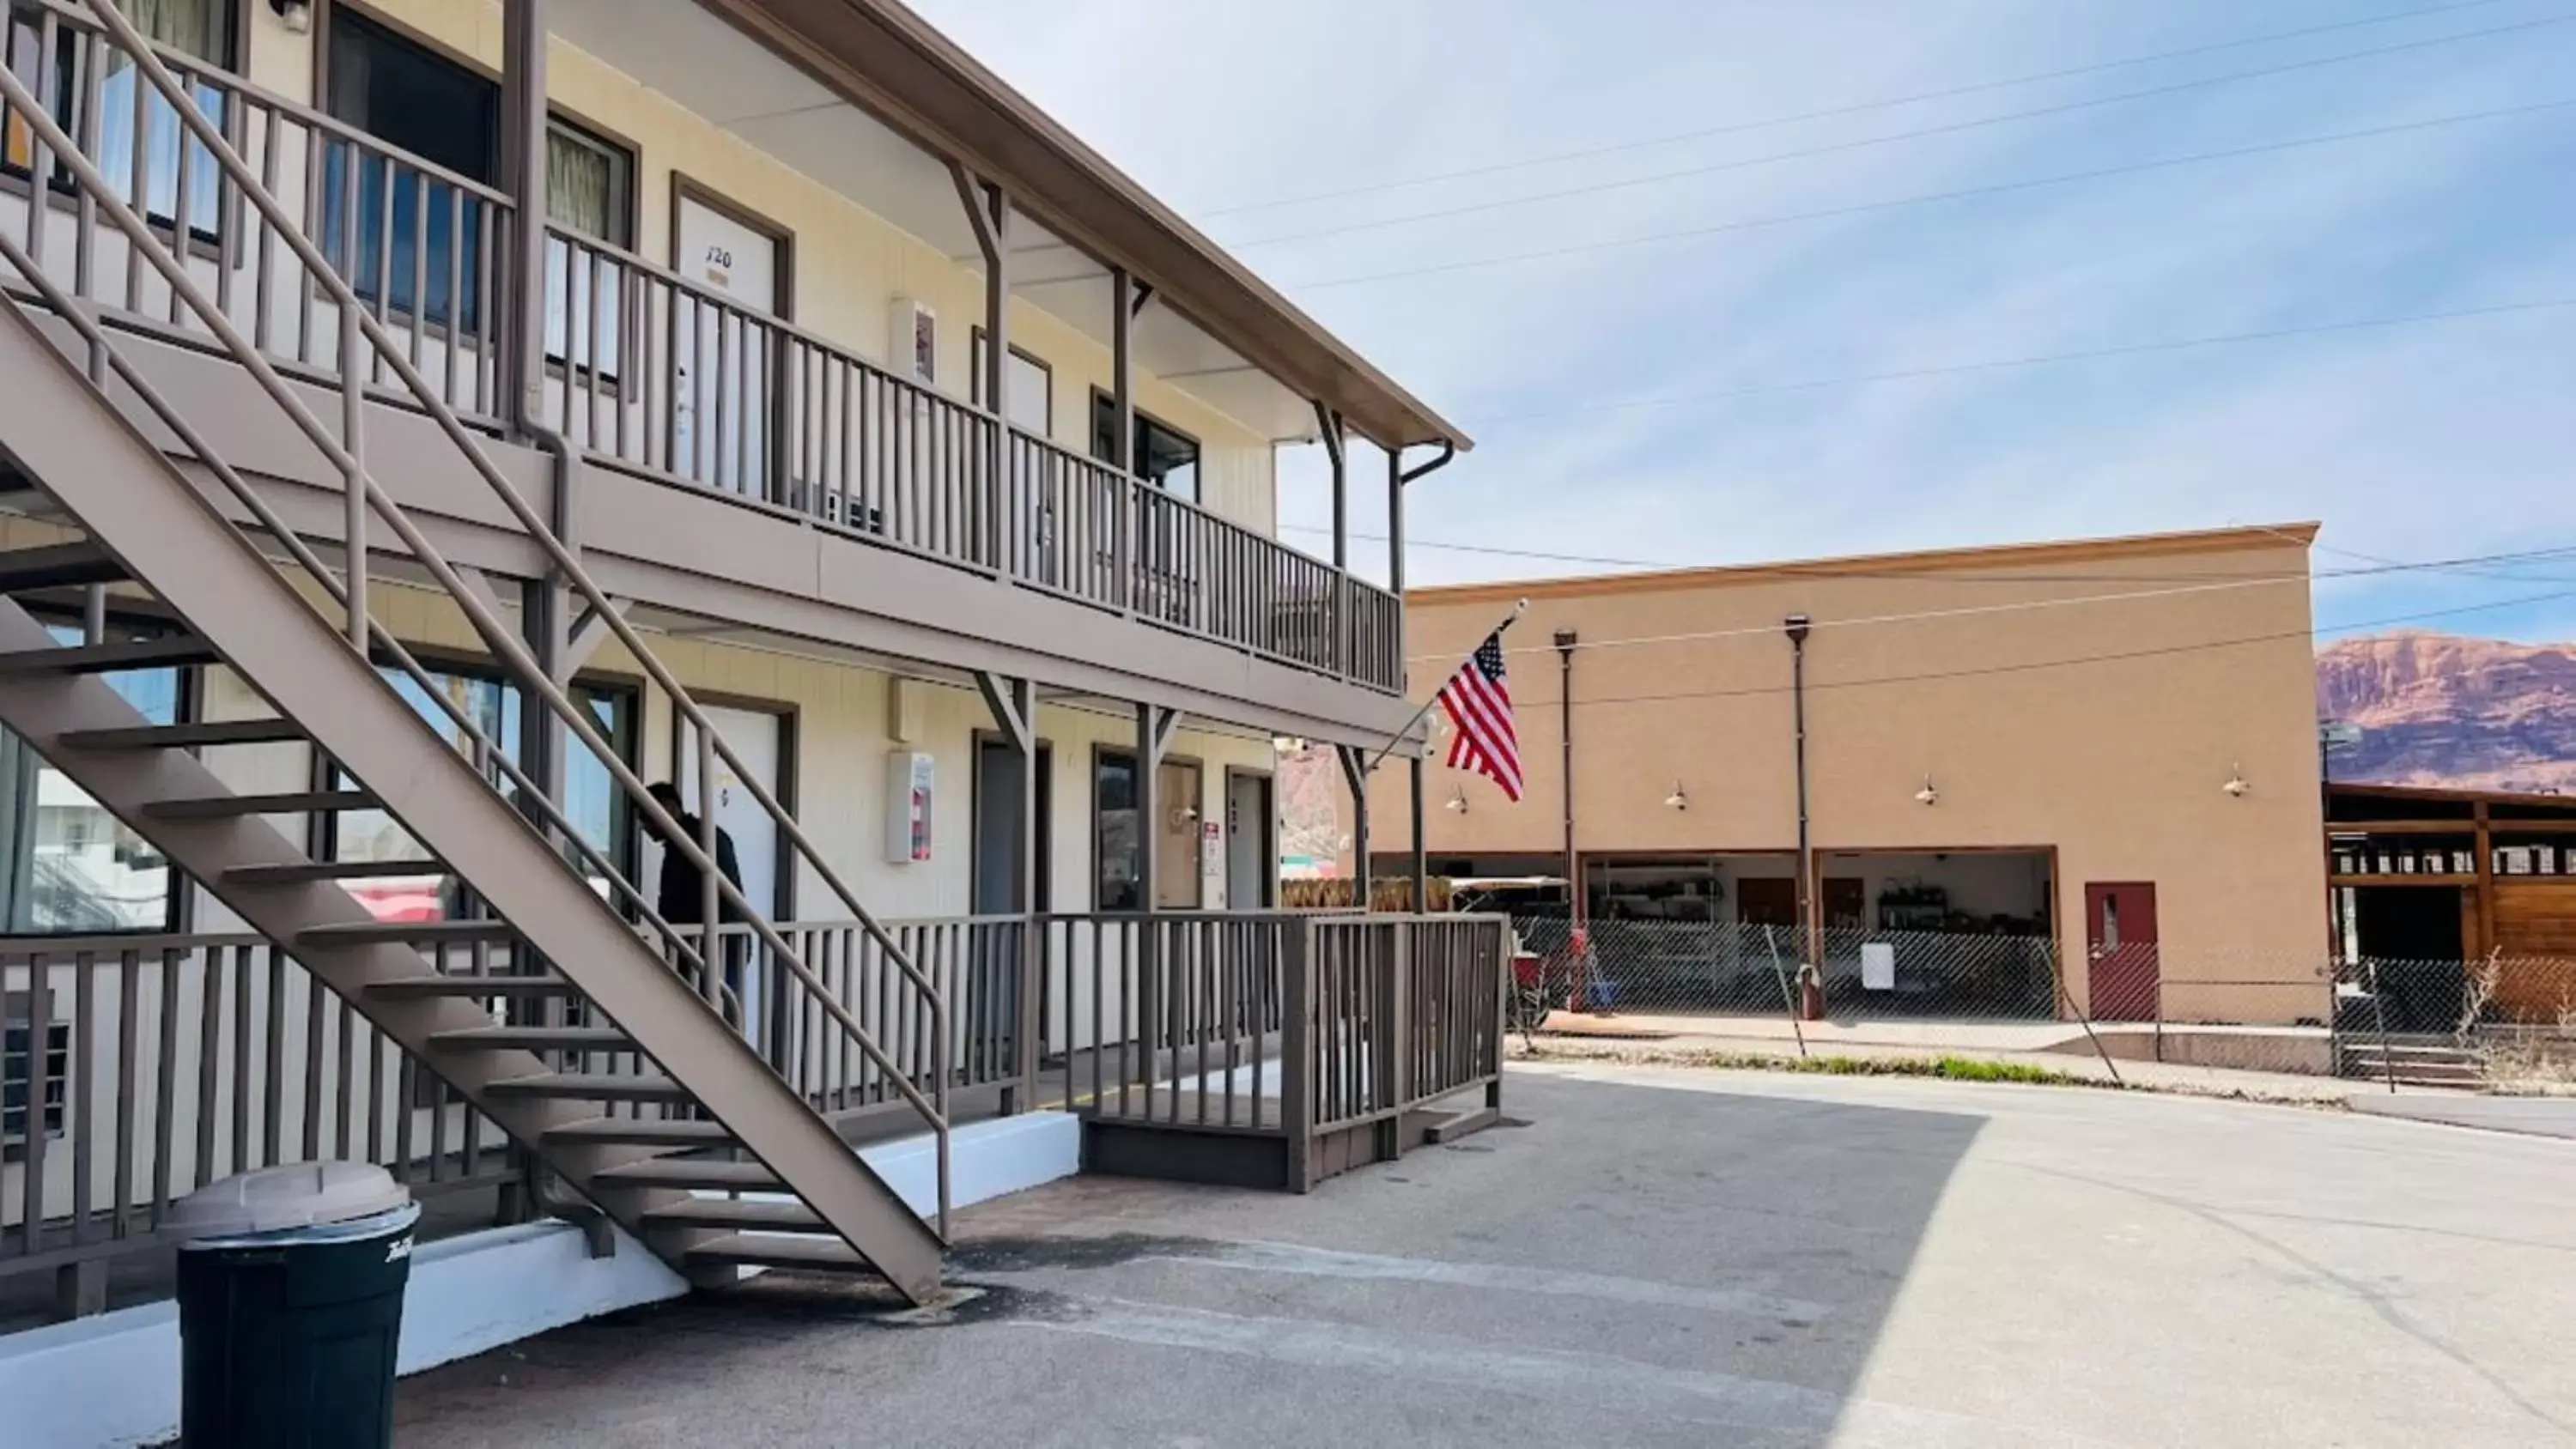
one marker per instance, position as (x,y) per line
(290,1305)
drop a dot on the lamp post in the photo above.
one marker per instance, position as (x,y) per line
(1810,968)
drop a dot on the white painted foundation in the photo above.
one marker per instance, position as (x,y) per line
(114,1379)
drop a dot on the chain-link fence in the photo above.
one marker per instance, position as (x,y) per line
(1724,968)
(2502,1024)
(2505,1024)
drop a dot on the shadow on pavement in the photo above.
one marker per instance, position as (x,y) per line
(1636,1265)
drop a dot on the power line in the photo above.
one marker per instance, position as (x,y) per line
(2468,573)
(1738,127)
(1930,575)
(2202,586)
(1919,133)
(2088,355)
(1755,223)
(2111,658)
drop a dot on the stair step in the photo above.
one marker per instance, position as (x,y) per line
(668,1132)
(58,565)
(534,1039)
(306,872)
(812,1253)
(452,984)
(723,1212)
(293,802)
(593,1086)
(185,736)
(693,1172)
(174,651)
(368,933)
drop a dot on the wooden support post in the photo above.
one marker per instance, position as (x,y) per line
(1297,1053)
(2486,942)
(1014,703)
(1355,770)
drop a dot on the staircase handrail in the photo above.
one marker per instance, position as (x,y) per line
(496,634)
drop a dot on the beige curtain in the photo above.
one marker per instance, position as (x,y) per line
(195,26)
(581,187)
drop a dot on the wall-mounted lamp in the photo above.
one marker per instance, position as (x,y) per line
(297,14)
(1679,799)
(1930,794)
(1457,801)
(2237,785)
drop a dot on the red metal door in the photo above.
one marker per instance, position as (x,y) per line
(2120,948)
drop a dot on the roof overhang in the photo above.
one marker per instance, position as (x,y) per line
(895,65)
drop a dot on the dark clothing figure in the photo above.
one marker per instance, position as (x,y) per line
(681,898)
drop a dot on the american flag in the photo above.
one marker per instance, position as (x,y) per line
(1478,700)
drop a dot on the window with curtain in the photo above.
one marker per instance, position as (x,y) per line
(128,106)
(67,866)
(589,186)
(591,798)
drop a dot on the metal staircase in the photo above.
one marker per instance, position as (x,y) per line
(604,1048)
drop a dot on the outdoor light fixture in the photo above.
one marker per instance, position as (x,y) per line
(2237,785)
(1457,801)
(1678,800)
(1930,794)
(298,14)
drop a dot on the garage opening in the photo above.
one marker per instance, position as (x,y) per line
(1906,933)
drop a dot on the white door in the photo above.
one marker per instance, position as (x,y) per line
(720,417)
(755,738)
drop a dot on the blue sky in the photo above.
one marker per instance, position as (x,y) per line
(2436,440)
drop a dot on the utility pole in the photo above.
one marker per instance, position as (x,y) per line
(1796,626)
(1565,642)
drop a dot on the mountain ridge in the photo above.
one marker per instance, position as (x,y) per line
(2451,710)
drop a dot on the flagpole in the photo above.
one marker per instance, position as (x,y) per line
(1519,607)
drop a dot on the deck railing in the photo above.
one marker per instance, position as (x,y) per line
(974,962)
(140,1068)
(1279,1023)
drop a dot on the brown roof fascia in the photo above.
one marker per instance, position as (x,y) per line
(896,66)
(1881,566)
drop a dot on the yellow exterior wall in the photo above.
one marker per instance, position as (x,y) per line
(2116,766)
(850,263)
(840,743)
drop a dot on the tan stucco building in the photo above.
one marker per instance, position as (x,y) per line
(2111,744)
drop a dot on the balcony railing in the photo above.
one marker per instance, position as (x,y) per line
(422,246)
(643,370)
(654,374)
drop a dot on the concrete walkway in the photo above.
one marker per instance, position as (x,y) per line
(2033,1044)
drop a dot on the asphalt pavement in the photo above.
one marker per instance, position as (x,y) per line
(1658,1256)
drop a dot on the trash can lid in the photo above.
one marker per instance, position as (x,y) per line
(290,1195)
